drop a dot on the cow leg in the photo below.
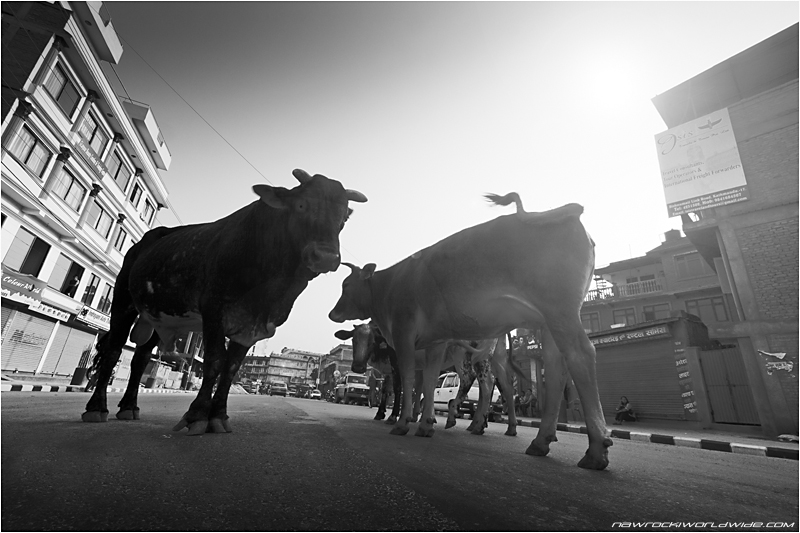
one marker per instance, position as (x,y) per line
(406,364)
(128,408)
(417,409)
(555,374)
(397,388)
(580,355)
(502,375)
(218,416)
(196,418)
(434,356)
(109,349)
(466,377)
(486,387)
(384,393)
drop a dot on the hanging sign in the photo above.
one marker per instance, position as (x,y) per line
(700,164)
(21,287)
(94,318)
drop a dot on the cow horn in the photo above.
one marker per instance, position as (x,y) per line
(355,196)
(301,175)
(353,268)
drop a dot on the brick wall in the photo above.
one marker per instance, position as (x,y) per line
(770,253)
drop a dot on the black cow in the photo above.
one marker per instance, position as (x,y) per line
(235,279)
(370,348)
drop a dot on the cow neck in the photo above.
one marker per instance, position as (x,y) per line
(276,254)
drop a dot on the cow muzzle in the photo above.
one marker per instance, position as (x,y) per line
(321,260)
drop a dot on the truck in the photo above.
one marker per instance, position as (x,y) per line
(352,388)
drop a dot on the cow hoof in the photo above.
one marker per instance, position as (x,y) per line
(197,427)
(478,431)
(431,420)
(471,426)
(391,420)
(95,416)
(128,414)
(537,449)
(511,431)
(450,423)
(421,432)
(219,425)
(379,416)
(592,463)
(398,431)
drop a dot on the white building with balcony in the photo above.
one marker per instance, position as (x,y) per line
(80,183)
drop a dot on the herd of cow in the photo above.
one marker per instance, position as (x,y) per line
(237,279)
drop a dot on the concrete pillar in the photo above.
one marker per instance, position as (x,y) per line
(21,113)
(58,46)
(96,188)
(54,173)
(91,97)
(120,219)
(118,138)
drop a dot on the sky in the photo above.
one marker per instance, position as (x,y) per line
(424,107)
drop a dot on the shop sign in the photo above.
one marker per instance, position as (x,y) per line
(642,334)
(21,287)
(45,309)
(94,318)
(700,164)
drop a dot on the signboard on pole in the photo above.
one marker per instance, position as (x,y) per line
(700,164)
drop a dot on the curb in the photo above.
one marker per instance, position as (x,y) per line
(704,444)
(72,388)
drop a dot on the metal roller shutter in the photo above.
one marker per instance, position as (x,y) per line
(645,373)
(8,314)
(25,341)
(56,349)
(69,357)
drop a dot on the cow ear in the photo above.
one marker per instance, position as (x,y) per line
(268,196)
(368,271)
(343,334)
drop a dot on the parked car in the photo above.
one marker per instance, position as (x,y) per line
(447,390)
(353,388)
(279,388)
(315,395)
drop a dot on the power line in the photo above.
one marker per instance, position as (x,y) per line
(196,112)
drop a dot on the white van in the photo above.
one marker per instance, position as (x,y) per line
(447,390)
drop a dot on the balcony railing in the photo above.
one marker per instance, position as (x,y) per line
(624,291)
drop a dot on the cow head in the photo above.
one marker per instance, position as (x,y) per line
(354,303)
(315,211)
(364,345)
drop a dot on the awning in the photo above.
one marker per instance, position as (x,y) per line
(20,287)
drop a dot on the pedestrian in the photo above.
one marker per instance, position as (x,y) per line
(624,412)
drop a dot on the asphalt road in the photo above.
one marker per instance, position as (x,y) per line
(293,464)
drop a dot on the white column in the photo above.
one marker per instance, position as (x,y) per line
(96,188)
(87,103)
(47,348)
(51,178)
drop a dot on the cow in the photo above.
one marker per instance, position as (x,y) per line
(235,280)
(523,270)
(491,367)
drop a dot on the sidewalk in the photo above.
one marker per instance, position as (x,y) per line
(675,433)
(41,384)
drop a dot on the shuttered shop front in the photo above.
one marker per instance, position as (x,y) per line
(25,338)
(645,373)
(69,345)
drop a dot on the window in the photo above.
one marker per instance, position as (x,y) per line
(136,195)
(91,288)
(119,242)
(94,134)
(449,381)
(118,170)
(149,211)
(26,253)
(30,151)
(625,316)
(72,280)
(691,265)
(99,219)
(590,321)
(68,188)
(708,309)
(655,312)
(104,305)
(62,90)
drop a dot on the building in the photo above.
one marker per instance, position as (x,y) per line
(255,368)
(293,366)
(753,241)
(671,277)
(80,183)
(336,363)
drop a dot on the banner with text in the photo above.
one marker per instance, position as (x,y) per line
(700,164)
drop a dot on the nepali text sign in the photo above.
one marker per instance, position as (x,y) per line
(700,165)
(21,287)
(641,334)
